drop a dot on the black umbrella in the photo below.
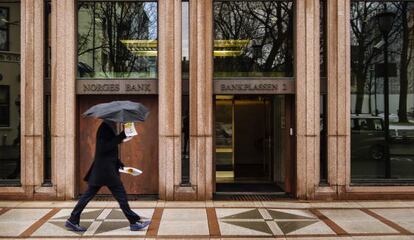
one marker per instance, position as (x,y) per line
(119,111)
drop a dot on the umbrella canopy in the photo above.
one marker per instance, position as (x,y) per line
(119,111)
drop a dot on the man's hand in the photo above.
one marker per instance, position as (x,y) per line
(127,139)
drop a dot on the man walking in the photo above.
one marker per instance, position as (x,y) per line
(105,172)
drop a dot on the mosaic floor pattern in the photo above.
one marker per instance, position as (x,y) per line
(99,222)
(268,222)
(15,221)
(214,220)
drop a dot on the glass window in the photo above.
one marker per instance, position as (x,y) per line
(382,91)
(4,28)
(47,170)
(117,39)
(185,106)
(253,38)
(324,96)
(323,5)
(224,146)
(10,93)
(4,105)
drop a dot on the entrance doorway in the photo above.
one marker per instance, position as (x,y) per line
(253,143)
(141,152)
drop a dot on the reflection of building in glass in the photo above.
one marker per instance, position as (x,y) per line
(387,156)
(10,91)
(368,65)
(104,28)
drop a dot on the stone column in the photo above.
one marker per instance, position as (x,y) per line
(201,98)
(27,98)
(63,130)
(31,103)
(37,64)
(31,84)
(187,192)
(307,97)
(339,94)
(169,72)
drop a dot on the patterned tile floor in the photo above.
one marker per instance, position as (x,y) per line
(214,220)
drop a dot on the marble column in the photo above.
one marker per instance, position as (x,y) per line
(338,94)
(307,97)
(63,95)
(169,72)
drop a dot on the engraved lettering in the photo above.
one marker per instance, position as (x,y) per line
(100,87)
(143,87)
(259,87)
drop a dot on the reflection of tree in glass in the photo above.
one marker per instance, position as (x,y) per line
(364,36)
(367,51)
(99,43)
(269,27)
(407,45)
(323,39)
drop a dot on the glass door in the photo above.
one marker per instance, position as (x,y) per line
(248,143)
(251,145)
(224,139)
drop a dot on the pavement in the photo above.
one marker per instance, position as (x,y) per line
(214,220)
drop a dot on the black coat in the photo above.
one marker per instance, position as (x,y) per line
(104,170)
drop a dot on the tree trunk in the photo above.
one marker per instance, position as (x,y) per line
(276,42)
(360,68)
(360,93)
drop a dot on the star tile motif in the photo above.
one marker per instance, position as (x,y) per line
(110,226)
(252,214)
(291,226)
(86,215)
(269,221)
(256,226)
(107,222)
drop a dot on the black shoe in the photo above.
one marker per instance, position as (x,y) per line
(74,227)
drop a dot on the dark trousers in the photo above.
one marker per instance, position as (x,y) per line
(118,191)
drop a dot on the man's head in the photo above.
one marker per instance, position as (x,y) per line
(110,123)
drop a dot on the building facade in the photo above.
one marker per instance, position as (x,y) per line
(309,99)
